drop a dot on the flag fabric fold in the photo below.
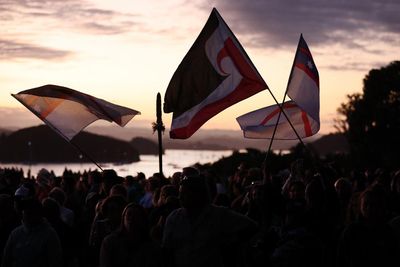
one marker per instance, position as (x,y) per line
(303,86)
(215,74)
(302,111)
(68,111)
(260,124)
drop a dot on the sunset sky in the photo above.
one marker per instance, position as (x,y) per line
(125,51)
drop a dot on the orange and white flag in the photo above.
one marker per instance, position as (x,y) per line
(68,111)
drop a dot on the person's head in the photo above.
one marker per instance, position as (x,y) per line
(129,181)
(373,204)
(94,177)
(314,194)
(296,190)
(194,193)
(141,177)
(44,178)
(395,183)
(24,193)
(32,212)
(151,184)
(51,209)
(189,171)
(134,222)
(176,179)
(112,208)
(110,178)
(58,194)
(343,189)
(119,190)
(253,175)
(297,169)
(167,191)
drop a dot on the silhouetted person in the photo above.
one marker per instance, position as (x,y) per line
(370,241)
(195,234)
(130,245)
(51,211)
(8,220)
(108,221)
(66,214)
(34,243)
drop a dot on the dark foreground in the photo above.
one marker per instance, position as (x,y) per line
(298,216)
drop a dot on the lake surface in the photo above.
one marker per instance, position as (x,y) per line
(173,160)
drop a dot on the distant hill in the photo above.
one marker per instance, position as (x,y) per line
(5,131)
(145,146)
(146,142)
(203,139)
(331,144)
(41,144)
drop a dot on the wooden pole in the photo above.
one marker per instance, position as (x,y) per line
(160,128)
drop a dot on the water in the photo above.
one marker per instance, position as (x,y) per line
(173,160)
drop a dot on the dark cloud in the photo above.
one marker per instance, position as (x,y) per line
(76,15)
(53,17)
(279,22)
(359,66)
(13,50)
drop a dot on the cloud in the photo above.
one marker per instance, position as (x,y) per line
(358,66)
(280,22)
(13,50)
(11,118)
(26,24)
(75,15)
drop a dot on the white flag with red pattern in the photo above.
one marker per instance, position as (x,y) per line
(68,111)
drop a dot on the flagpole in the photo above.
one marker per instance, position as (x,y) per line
(159,127)
(85,154)
(269,90)
(276,101)
(281,107)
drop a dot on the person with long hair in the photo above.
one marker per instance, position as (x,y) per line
(130,245)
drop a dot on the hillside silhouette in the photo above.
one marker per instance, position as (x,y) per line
(41,144)
(331,144)
(145,146)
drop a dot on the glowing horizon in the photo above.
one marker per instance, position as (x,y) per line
(126,51)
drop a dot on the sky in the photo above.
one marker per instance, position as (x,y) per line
(125,51)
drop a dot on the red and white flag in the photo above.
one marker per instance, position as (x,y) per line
(260,123)
(68,111)
(215,74)
(302,111)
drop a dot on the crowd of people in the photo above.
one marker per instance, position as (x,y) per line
(300,216)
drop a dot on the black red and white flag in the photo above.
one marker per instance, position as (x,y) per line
(215,74)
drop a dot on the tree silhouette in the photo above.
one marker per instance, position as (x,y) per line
(371,120)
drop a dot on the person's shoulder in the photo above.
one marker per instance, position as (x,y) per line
(177,213)
(114,237)
(21,229)
(224,211)
(176,217)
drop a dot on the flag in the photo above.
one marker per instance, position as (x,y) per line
(260,124)
(302,111)
(303,86)
(68,111)
(215,74)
